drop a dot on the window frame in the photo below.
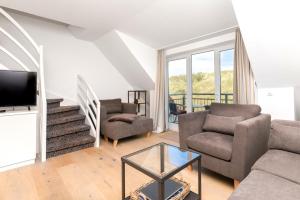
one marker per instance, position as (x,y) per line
(217,48)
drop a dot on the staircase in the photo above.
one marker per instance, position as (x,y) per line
(66,129)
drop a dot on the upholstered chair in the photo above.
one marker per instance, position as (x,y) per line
(231,137)
(119,129)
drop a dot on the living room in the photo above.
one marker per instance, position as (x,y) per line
(149,99)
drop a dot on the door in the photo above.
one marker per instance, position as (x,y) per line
(177,89)
(203,80)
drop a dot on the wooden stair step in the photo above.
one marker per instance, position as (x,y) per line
(67,131)
(53,103)
(71,142)
(62,109)
(58,100)
(64,120)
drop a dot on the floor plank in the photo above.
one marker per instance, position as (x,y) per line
(96,174)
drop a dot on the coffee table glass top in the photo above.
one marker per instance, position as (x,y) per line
(162,159)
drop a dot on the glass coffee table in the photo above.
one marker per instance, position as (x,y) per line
(161,162)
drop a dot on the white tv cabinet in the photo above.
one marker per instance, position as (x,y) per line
(18,136)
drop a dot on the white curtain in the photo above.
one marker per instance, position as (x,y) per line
(244,82)
(159,102)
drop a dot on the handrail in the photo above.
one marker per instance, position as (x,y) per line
(17,25)
(90,105)
(20,46)
(39,68)
(14,58)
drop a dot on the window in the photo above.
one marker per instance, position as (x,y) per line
(197,79)
(226,64)
(177,88)
(203,80)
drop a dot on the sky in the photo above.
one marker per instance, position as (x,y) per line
(203,62)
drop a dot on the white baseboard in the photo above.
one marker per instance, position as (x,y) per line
(17,165)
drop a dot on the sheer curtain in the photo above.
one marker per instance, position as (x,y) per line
(244,82)
(159,102)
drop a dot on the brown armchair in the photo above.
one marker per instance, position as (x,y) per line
(231,137)
(117,130)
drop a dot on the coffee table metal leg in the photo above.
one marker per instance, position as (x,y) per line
(123,180)
(161,190)
(199,178)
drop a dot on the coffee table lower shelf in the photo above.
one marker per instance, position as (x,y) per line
(191,196)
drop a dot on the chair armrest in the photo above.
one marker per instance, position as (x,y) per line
(129,108)
(190,124)
(250,142)
(103,113)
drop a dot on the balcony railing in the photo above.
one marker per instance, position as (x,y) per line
(200,100)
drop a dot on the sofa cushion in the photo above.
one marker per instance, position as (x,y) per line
(221,124)
(285,137)
(117,130)
(112,105)
(214,144)
(259,185)
(233,110)
(280,163)
(286,122)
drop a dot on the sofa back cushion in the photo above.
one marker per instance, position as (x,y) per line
(234,110)
(285,135)
(112,105)
(221,124)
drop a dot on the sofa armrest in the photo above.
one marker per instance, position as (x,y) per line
(129,108)
(190,124)
(250,142)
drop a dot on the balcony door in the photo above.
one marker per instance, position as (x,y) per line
(203,80)
(177,88)
(197,79)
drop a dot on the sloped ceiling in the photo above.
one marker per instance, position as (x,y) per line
(157,23)
(271,34)
(99,16)
(116,50)
(168,22)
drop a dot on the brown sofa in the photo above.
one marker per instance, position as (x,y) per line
(118,129)
(276,175)
(231,137)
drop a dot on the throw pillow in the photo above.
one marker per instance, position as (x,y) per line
(221,124)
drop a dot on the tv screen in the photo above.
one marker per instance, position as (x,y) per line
(17,88)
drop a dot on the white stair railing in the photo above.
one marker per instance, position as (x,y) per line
(38,67)
(90,105)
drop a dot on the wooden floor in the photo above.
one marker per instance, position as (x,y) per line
(96,174)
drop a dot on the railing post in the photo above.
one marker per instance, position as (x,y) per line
(226,98)
(98,125)
(42,107)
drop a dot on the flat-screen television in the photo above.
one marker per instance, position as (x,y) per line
(17,88)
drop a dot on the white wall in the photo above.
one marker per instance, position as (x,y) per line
(279,102)
(125,62)
(67,56)
(271,32)
(2,67)
(147,57)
